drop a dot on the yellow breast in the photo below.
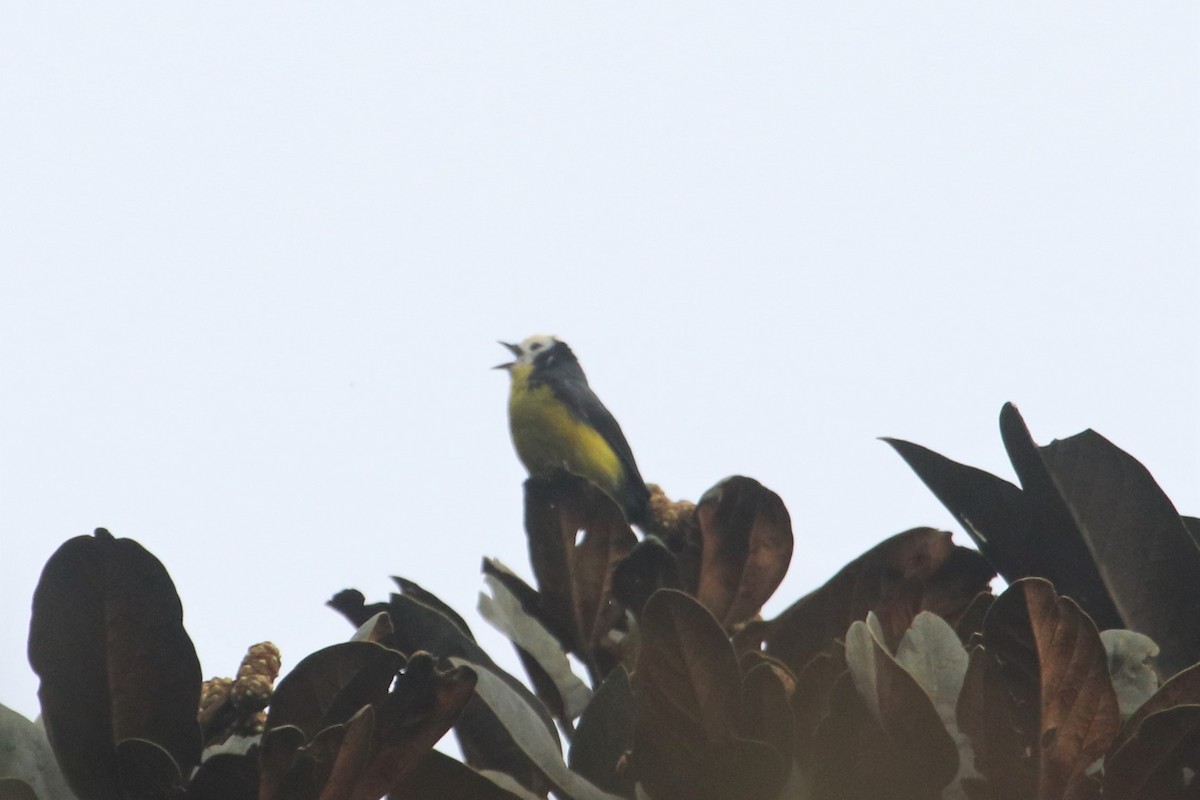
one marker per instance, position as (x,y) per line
(547,437)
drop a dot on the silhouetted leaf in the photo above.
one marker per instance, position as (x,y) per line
(918,570)
(573,575)
(25,753)
(521,721)
(1131,668)
(688,693)
(352,758)
(650,566)
(1063,555)
(414,590)
(746,537)
(351,604)
(1147,559)
(993,512)
(605,734)
(115,663)
(416,714)
(331,685)
(1160,762)
(1193,528)
(503,610)
(484,740)
(970,622)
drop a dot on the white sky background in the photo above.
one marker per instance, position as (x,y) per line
(254,260)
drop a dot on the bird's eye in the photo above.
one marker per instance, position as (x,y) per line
(535,346)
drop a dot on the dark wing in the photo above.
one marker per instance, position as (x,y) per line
(576,395)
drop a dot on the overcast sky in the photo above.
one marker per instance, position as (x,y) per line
(254,259)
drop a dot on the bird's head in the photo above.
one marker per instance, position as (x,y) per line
(534,351)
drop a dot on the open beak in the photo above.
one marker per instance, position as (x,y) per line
(512,348)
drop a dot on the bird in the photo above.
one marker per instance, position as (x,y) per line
(558,423)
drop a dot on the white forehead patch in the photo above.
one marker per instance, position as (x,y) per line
(533,346)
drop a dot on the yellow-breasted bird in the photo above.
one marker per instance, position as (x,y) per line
(557,422)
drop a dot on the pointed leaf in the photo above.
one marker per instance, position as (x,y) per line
(147,770)
(521,722)
(108,643)
(1064,555)
(422,595)
(747,546)
(1147,560)
(503,610)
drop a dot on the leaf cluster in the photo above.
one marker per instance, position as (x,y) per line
(651,674)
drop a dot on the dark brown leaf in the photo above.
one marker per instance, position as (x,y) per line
(688,692)
(1033,635)
(331,685)
(918,570)
(485,743)
(811,700)
(1147,560)
(574,576)
(1160,762)
(351,604)
(765,715)
(998,712)
(1063,555)
(746,536)
(107,641)
(416,714)
(650,566)
(422,595)
(993,512)
(605,734)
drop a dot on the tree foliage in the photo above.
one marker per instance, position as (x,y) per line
(901,677)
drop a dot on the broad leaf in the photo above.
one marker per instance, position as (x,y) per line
(331,685)
(688,694)
(503,610)
(1182,689)
(438,776)
(115,663)
(1146,558)
(574,576)
(522,723)
(918,570)
(1161,761)
(746,537)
